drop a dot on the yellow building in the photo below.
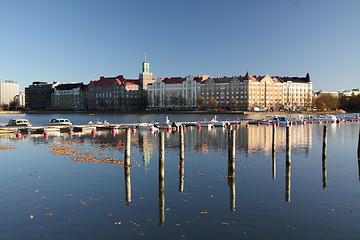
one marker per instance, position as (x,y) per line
(237,92)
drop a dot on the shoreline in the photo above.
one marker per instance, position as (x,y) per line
(282,113)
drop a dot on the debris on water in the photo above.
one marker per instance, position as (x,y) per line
(6,148)
(97,160)
(63,150)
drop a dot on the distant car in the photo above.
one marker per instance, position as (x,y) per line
(256,109)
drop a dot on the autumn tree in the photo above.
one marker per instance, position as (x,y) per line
(212,102)
(327,101)
(200,101)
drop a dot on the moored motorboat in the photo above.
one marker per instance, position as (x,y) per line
(59,122)
(325,117)
(18,122)
(147,126)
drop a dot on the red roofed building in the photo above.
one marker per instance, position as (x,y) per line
(237,92)
(114,93)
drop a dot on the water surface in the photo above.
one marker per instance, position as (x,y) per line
(49,196)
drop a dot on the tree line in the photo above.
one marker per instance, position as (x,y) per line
(327,101)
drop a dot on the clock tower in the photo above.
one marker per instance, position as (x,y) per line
(146,76)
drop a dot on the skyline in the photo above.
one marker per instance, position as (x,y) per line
(79,41)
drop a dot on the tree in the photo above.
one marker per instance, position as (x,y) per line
(200,101)
(351,103)
(327,101)
(212,102)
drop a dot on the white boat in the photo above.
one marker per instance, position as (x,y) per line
(217,123)
(325,117)
(147,126)
(98,122)
(59,122)
(18,122)
(166,124)
(298,119)
(277,119)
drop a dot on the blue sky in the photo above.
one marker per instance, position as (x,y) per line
(81,40)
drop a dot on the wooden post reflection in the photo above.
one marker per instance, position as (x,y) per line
(324,173)
(358,152)
(161,178)
(127,166)
(182,160)
(274,151)
(231,170)
(288,166)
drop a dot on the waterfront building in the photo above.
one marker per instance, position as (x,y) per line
(8,90)
(70,96)
(38,95)
(237,92)
(118,93)
(175,93)
(19,99)
(114,93)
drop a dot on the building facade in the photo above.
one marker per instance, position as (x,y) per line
(174,93)
(237,92)
(8,90)
(69,96)
(38,95)
(114,93)
(19,99)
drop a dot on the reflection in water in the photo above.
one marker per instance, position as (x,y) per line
(231,169)
(273,151)
(358,153)
(146,141)
(127,165)
(182,160)
(288,166)
(161,179)
(324,174)
(127,183)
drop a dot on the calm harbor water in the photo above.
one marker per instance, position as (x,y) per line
(46,195)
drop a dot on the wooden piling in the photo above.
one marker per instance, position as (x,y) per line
(288,142)
(324,172)
(182,159)
(127,166)
(127,147)
(229,140)
(324,142)
(274,151)
(161,178)
(288,166)
(231,170)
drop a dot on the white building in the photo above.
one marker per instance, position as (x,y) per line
(174,93)
(20,99)
(8,90)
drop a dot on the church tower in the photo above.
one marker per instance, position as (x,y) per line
(146,76)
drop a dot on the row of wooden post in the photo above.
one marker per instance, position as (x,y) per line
(231,165)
